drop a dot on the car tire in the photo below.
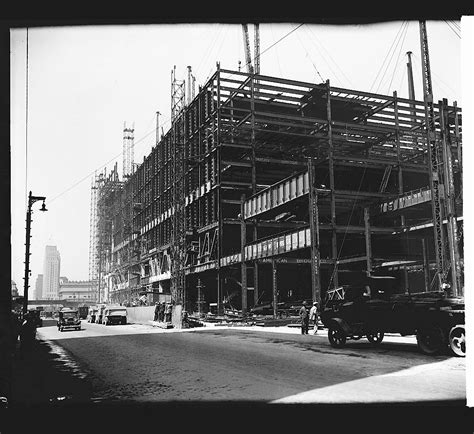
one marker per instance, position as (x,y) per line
(431,340)
(375,337)
(337,337)
(457,341)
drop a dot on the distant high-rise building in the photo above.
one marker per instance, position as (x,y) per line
(51,269)
(39,287)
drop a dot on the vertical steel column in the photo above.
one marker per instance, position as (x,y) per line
(255,282)
(400,171)
(254,182)
(219,195)
(450,199)
(457,142)
(332,186)
(314,230)
(426,264)
(275,288)
(243,242)
(397,138)
(368,243)
(199,296)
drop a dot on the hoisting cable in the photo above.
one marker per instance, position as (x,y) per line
(398,57)
(391,57)
(388,53)
(347,226)
(330,57)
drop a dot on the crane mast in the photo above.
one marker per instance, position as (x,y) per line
(248,59)
(256,51)
(434,158)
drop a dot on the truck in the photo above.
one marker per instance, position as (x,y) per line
(435,318)
(83,311)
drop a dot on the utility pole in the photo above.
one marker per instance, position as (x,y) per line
(31,200)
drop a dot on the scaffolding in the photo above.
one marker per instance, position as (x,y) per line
(106,189)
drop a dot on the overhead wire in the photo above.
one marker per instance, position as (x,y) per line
(402,78)
(385,59)
(26,121)
(452,29)
(329,55)
(398,57)
(279,40)
(99,168)
(456,25)
(391,57)
(276,51)
(310,59)
(209,49)
(436,78)
(347,226)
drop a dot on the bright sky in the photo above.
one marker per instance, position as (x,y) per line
(84,82)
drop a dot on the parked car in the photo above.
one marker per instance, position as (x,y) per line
(91,315)
(436,319)
(69,319)
(114,315)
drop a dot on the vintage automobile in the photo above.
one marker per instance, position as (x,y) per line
(114,315)
(68,319)
(435,318)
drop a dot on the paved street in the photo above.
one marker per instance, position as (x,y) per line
(264,364)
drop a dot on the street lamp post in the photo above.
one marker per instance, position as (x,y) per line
(31,200)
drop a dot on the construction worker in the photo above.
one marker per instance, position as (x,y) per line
(304,315)
(313,316)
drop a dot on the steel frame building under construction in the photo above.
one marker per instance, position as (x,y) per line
(269,189)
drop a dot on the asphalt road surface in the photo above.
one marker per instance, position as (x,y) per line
(263,364)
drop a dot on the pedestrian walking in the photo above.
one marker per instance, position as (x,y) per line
(157,311)
(313,316)
(304,315)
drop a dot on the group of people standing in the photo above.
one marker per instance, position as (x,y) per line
(307,316)
(162,312)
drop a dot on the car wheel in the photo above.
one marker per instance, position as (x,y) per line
(457,341)
(336,336)
(375,338)
(431,340)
